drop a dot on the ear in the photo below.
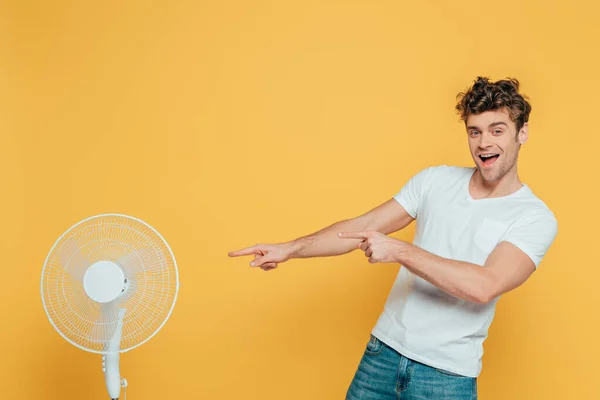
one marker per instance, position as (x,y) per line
(523,134)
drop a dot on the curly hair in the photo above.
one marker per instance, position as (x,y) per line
(491,96)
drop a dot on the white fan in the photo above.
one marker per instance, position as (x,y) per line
(108,285)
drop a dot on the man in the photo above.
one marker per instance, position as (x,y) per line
(480,233)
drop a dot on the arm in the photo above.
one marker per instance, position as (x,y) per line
(506,268)
(387,217)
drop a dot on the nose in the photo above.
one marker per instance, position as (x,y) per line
(485,140)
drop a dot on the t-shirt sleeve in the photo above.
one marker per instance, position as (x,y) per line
(533,234)
(411,194)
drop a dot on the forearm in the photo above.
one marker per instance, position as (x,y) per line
(464,280)
(325,242)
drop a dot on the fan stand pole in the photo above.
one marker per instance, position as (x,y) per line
(110,361)
(112,376)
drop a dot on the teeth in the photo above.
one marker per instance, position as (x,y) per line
(487,155)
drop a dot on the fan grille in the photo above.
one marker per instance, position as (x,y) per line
(150,290)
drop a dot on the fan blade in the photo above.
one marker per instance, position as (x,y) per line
(72,261)
(132,263)
(142,260)
(106,323)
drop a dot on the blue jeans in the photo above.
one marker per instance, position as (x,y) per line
(384,374)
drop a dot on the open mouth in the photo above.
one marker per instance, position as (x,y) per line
(488,159)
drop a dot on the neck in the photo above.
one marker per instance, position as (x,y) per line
(506,185)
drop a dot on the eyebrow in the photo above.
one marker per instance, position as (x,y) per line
(491,125)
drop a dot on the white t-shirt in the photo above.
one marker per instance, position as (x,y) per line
(427,324)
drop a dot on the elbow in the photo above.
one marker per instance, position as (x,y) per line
(483,298)
(486,293)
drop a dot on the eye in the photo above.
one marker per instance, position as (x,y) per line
(498,131)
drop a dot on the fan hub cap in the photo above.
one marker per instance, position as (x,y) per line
(104,281)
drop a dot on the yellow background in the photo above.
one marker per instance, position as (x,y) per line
(227,123)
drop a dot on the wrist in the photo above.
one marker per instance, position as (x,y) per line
(293,248)
(403,252)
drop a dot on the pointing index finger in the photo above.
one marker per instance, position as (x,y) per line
(356,235)
(245,252)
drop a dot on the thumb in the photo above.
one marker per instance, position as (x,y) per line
(258,261)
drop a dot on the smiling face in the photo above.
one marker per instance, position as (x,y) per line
(494,143)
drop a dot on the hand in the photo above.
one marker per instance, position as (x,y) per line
(266,256)
(377,246)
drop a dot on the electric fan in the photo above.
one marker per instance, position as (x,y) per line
(108,285)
